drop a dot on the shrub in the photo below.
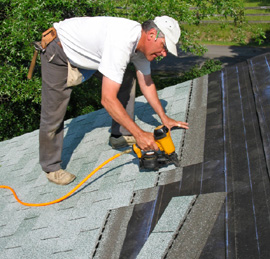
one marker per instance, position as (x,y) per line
(23,21)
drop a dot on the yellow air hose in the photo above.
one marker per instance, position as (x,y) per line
(69,193)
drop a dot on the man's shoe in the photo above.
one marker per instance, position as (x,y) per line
(122,141)
(61,177)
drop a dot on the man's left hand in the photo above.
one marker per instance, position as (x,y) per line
(170,123)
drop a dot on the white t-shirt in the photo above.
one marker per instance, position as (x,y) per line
(106,44)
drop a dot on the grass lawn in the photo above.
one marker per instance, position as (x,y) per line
(255,3)
(262,14)
(225,33)
(228,34)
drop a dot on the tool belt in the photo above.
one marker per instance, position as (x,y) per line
(74,75)
(47,37)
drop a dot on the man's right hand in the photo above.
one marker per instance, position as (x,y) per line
(146,142)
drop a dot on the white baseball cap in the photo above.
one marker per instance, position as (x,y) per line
(170,28)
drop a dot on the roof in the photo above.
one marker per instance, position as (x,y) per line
(216,202)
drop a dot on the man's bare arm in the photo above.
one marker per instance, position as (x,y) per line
(148,89)
(109,100)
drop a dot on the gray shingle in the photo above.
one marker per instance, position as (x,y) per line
(72,228)
(114,233)
(155,246)
(167,227)
(145,179)
(197,228)
(171,176)
(174,214)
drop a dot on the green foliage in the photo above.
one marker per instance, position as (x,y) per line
(240,35)
(208,67)
(259,35)
(229,8)
(85,98)
(23,21)
(228,34)
(190,12)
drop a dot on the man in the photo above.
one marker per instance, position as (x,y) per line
(107,45)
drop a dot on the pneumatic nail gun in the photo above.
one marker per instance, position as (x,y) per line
(154,160)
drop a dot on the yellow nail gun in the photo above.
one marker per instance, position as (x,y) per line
(154,160)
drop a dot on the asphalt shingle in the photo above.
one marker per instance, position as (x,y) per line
(84,149)
(163,234)
(93,221)
(194,233)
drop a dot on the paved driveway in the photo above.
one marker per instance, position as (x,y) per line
(228,55)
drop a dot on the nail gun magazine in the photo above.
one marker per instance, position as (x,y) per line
(153,160)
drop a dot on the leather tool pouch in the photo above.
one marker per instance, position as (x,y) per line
(74,75)
(47,37)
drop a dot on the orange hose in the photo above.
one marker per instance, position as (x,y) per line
(69,193)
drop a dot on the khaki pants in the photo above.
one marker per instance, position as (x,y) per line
(55,98)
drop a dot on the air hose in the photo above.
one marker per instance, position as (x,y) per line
(69,193)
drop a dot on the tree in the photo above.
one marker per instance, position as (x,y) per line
(23,21)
